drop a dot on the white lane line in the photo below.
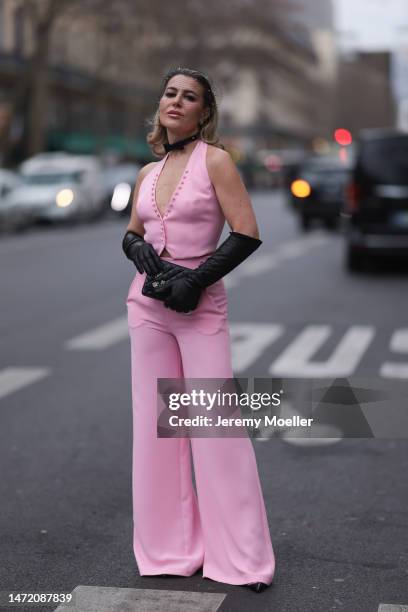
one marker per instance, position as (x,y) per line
(101,337)
(296,359)
(250,340)
(258,264)
(392,608)
(398,344)
(291,250)
(113,599)
(14,379)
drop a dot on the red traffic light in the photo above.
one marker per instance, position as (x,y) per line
(343,137)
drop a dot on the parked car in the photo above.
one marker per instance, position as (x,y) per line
(10,218)
(60,187)
(377,202)
(120,181)
(318,192)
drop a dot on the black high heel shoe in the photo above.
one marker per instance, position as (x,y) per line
(258,587)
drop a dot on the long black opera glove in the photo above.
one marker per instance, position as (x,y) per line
(184,292)
(141,253)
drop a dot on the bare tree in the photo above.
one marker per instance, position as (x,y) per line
(32,83)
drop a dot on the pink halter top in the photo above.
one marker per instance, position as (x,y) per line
(193,221)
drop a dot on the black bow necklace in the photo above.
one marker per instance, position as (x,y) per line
(179,144)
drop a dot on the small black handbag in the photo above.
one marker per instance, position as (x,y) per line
(155,282)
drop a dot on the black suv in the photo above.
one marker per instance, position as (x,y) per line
(377,197)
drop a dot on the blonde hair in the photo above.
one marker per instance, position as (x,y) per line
(157,137)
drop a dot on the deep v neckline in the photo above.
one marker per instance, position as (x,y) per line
(178,186)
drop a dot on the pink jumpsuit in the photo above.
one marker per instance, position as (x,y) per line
(223,527)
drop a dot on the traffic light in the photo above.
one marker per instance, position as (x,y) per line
(343,137)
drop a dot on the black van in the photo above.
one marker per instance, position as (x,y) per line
(377,197)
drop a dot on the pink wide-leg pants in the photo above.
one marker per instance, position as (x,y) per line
(223,528)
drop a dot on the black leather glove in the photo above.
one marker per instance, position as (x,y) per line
(184,293)
(141,253)
(232,252)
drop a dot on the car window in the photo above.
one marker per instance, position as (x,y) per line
(385,161)
(335,175)
(52,178)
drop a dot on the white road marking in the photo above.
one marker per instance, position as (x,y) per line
(392,608)
(101,337)
(291,250)
(250,340)
(258,265)
(398,344)
(264,262)
(14,379)
(296,358)
(114,599)
(327,434)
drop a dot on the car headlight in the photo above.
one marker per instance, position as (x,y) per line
(301,188)
(64,198)
(121,195)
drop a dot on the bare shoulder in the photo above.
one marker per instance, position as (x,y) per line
(145,170)
(217,156)
(219,162)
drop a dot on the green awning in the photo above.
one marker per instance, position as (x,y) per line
(86,142)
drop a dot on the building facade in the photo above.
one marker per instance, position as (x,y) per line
(90,102)
(288,108)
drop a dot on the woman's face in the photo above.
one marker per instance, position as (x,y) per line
(183,96)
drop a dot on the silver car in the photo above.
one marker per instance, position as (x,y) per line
(60,187)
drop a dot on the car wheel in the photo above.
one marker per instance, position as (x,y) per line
(354,260)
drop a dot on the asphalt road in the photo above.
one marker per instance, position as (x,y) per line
(338,512)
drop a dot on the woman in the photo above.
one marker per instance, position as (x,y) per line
(179,209)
